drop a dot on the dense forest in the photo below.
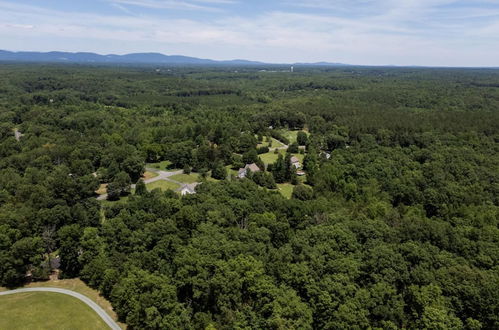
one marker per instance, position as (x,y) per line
(395,223)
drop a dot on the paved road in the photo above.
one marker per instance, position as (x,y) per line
(162,175)
(109,321)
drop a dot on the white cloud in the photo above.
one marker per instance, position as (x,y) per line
(175,4)
(405,33)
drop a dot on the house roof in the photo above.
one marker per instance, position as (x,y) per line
(190,187)
(252,167)
(294,160)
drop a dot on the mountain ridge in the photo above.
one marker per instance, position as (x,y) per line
(132,58)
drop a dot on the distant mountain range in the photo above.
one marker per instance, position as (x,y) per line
(137,58)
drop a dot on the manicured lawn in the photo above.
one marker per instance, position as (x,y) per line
(290,135)
(79,286)
(300,157)
(275,143)
(149,175)
(46,310)
(286,189)
(270,157)
(161,165)
(230,171)
(186,178)
(163,185)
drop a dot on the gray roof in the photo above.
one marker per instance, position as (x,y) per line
(190,187)
(252,167)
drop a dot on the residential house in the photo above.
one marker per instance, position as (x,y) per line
(248,168)
(188,189)
(295,162)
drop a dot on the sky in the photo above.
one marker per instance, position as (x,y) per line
(367,32)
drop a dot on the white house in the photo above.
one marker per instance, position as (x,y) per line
(188,189)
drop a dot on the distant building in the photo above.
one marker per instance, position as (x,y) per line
(295,162)
(18,134)
(248,168)
(300,173)
(188,189)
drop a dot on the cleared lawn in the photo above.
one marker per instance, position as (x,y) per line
(291,135)
(275,144)
(79,286)
(149,175)
(164,165)
(286,189)
(271,157)
(186,178)
(46,310)
(163,185)
(300,157)
(230,171)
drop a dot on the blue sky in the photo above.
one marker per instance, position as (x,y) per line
(371,32)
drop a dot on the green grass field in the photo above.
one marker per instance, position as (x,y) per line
(186,178)
(46,310)
(149,175)
(230,171)
(163,185)
(271,157)
(286,189)
(291,135)
(300,157)
(275,144)
(164,165)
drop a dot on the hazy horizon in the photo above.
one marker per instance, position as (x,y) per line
(445,33)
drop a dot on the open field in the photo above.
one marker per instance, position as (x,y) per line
(76,285)
(186,178)
(79,286)
(270,157)
(275,144)
(163,185)
(46,310)
(286,189)
(149,175)
(164,165)
(290,135)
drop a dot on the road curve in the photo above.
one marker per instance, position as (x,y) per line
(109,321)
(162,175)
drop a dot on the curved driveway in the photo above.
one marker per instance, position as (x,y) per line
(162,175)
(109,321)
